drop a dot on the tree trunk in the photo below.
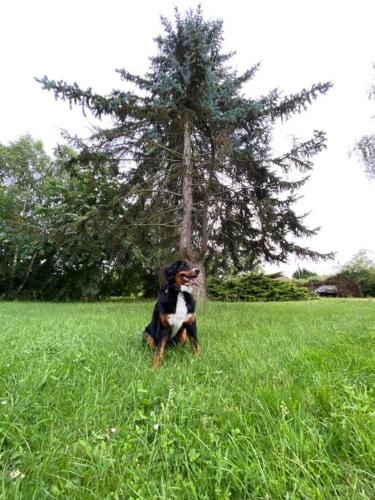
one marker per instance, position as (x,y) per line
(187,195)
(29,269)
(202,282)
(13,271)
(205,229)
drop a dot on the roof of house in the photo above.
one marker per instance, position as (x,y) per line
(282,278)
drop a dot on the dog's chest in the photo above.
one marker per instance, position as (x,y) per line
(180,315)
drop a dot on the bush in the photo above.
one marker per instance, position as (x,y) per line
(347,286)
(253,287)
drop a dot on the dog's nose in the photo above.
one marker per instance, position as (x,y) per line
(196,271)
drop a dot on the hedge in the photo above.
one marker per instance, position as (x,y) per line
(254,287)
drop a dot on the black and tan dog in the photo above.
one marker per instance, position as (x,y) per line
(173,320)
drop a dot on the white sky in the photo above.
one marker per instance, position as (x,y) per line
(299,42)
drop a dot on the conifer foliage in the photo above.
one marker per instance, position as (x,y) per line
(198,173)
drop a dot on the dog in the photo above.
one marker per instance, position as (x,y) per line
(173,320)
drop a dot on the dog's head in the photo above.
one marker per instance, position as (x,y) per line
(181,273)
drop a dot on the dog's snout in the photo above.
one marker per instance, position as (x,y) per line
(196,271)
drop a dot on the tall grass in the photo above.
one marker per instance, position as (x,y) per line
(280,404)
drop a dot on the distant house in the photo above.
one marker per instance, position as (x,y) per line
(327,291)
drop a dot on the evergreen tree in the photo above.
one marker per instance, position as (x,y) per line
(196,157)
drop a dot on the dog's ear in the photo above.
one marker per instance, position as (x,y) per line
(169,272)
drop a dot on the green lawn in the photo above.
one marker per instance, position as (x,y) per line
(280,405)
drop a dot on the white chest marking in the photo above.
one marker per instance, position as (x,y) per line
(180,315)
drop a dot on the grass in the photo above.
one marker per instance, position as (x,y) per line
(280,405)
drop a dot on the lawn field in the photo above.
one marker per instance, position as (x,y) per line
(279,405)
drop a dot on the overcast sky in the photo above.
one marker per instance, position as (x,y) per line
(298,43)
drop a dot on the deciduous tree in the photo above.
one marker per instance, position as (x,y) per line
(365,147)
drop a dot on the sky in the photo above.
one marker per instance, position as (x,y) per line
(298,43)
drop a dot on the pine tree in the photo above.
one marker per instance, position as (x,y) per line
(196,155)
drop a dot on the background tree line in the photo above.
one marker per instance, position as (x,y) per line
(50,247)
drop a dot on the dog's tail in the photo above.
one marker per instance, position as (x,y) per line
(144,334)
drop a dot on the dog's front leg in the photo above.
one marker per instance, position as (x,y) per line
(191,329)
(162,339)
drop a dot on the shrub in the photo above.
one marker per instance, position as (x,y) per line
(347,286)
(254,287)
